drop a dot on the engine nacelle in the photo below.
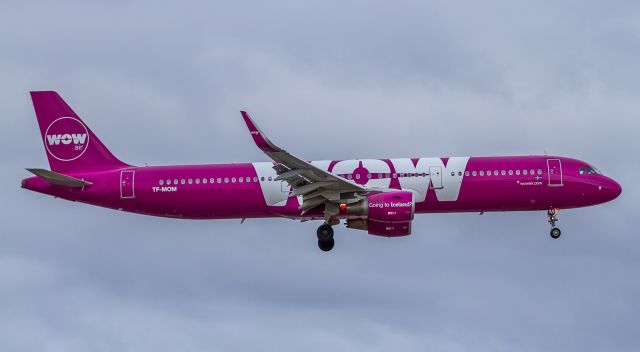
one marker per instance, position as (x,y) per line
(387,214)
(380,228)
(391,207)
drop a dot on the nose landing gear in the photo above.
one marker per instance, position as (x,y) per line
(325,237)
(552,214)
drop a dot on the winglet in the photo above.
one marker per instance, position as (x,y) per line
(258,137)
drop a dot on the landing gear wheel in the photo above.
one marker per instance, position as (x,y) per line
(325,232)
(555,232)
(326,245)
(325,237)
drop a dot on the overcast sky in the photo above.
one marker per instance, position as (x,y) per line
(162,83)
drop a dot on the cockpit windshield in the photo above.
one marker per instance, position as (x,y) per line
(589,171)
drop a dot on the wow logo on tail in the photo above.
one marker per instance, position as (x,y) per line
(66,139)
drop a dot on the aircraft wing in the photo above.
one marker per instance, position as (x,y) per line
(315,185)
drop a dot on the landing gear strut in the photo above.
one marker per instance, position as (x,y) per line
(552,214)
(325,237)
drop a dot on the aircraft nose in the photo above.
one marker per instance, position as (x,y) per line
(611,188)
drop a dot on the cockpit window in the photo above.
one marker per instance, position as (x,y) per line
(589,171)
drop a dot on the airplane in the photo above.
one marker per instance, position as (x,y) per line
(379,196)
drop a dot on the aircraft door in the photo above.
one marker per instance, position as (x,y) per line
(554,167)
(127,179)
(435,173)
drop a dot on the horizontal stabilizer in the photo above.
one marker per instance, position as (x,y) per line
(55,178)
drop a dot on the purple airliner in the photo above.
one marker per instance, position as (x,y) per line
(379,196)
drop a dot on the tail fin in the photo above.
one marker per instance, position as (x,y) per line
(69,143)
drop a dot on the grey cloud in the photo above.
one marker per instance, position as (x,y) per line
(163,83)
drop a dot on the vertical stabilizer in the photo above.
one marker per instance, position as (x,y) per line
(69,143)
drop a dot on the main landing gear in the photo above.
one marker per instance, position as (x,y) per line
(552,214)
(325,237)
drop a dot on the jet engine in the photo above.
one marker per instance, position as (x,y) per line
(383,214)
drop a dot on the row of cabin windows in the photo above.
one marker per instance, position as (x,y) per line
(383,175)
(453,173)
(504,172)
(211,180)
(349,176)
(255,179)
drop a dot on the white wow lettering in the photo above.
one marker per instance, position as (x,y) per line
(444,180)
(56,139)
(66,138)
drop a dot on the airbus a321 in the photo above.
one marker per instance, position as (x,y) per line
(378,196)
